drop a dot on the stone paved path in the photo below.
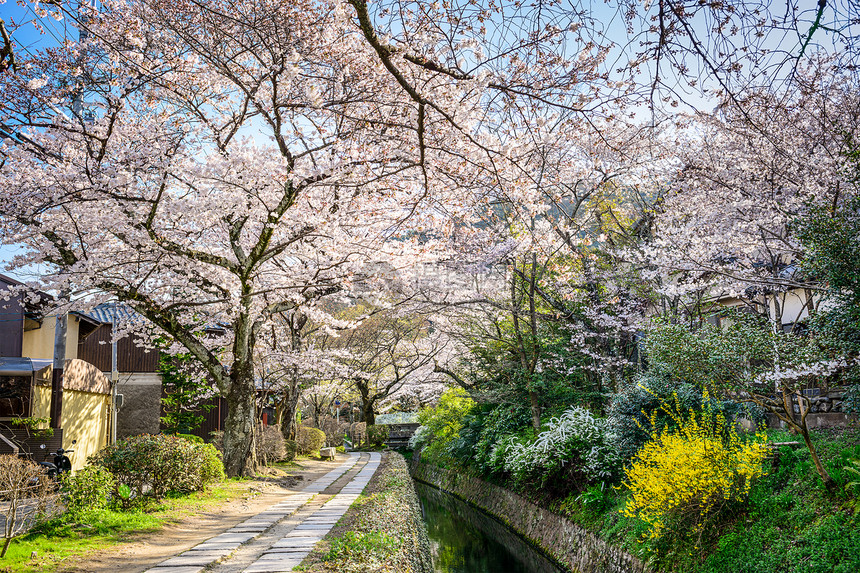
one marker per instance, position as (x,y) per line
(277,539)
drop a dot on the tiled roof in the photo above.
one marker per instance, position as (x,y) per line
(106,312)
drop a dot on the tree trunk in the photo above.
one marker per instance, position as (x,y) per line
(240,458)
(368,413)
(289,427)
(535,408)
(819,467)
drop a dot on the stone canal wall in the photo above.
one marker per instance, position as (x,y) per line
(568,543)
(419,546)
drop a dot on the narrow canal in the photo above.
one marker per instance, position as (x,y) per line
(465,540)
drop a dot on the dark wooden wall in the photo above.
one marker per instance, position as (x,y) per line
(11,324)
(95,349)
(29,444)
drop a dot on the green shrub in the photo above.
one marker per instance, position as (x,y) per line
(499,422)
(377,434)
(191,438)
(444,422)
(309,440)
(291,448)
(153,465)
(637,415)
(211,466)
(88,489)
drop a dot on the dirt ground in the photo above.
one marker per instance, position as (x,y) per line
(144,551)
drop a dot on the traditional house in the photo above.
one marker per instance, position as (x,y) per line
(26,361)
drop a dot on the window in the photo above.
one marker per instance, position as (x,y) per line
(15,396)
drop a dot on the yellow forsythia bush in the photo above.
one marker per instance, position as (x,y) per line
(686,475)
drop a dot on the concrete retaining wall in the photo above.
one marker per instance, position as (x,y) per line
(569,544)
(141,406)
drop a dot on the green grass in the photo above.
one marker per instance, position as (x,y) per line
(792,524)
(68,536)
(357,545)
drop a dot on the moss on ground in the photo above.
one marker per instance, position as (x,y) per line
(381,533)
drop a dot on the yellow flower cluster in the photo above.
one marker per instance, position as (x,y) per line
(685,475)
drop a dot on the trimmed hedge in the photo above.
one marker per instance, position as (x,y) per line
(271,446)
(309,440)
(88,489)
(154,465)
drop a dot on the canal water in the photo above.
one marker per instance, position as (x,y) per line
(466,540)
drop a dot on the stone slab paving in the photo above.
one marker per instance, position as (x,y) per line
(199,557)
(290,550)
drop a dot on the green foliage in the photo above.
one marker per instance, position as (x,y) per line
(832,253)
(291,448)
(443,423)
(832,258)
(597,498)
(153,465)
(309,440)
(32,424)
(123,492)
(638,415)
(191,438)
(503,420)
(211,467)
(853,471)
(727,359)
(495,359)
(358,545)
(377,434)
(185,389)
(88,489)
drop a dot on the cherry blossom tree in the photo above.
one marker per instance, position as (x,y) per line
(727,227)
(389,354)
(225,162)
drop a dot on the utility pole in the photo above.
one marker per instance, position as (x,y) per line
(114,377)
(59,364)
(61,330)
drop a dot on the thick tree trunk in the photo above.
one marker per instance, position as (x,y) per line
(368,413)
(240,458)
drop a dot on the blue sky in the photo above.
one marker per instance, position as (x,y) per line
(20,21)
